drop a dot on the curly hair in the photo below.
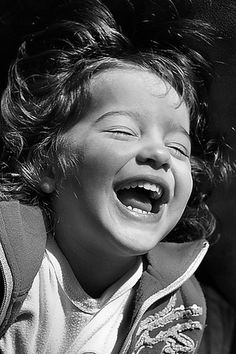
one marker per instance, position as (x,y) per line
(47,91)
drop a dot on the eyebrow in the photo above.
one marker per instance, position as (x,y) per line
(180,129)
(133,115)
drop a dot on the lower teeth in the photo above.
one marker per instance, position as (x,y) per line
(138,210)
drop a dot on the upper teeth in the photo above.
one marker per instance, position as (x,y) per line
(156,190)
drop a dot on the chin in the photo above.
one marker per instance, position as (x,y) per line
(136,242)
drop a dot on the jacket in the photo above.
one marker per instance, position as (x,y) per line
(168,309)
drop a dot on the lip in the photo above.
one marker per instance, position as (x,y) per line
(164,199)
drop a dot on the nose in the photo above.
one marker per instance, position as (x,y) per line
(156,156)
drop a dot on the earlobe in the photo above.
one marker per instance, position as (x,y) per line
(47,185)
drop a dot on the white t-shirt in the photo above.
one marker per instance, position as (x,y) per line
(59,317)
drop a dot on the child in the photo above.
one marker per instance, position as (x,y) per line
(96,172)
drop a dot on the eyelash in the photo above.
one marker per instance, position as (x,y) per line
(178,151)
(122,132)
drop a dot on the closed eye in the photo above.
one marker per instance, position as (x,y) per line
(179,151)
(122,132)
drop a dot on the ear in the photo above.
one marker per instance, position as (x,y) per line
(47,184)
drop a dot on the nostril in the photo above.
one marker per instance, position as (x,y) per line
(166,166)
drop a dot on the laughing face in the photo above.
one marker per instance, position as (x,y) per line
(133,177)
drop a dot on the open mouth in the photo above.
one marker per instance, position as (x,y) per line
(141,197)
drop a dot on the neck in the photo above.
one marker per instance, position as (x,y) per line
(96,272)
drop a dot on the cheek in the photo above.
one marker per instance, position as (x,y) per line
(188,184)
(184,185)
(189,187)
(104,158)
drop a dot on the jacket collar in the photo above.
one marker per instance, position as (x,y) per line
(167,267)
(23,238)
(169,261)
(23,226)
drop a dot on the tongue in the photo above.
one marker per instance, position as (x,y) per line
(135,199)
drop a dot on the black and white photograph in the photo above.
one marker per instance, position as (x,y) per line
(118,177)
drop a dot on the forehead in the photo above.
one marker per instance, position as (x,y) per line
(137,90)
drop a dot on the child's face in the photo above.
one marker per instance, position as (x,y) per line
(133,178)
